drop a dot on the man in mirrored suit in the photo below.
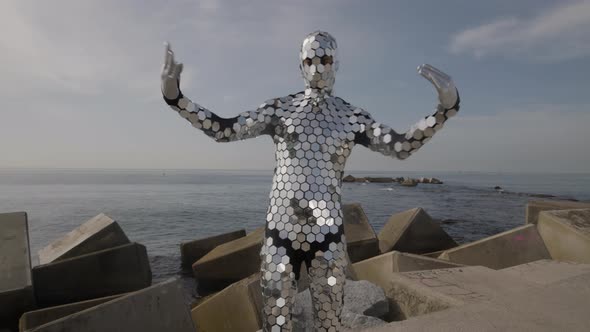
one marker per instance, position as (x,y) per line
(314,133)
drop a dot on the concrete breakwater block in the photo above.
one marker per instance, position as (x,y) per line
(433,254)
(533,208)
(361,240)
(557,307)
(235,308)
(379,269)
(421,292)
(107,272)
(192,251)
(32,319)
(514,247)
(157,308)
(16,291)
(98,233)
(566,234)
(546,271)
(230,262)
(413,231)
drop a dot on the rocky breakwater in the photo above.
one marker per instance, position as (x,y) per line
(533,277)
(405,181)
(95,260)
(217,311)
(420,272)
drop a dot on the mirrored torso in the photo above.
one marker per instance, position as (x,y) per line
(314,135)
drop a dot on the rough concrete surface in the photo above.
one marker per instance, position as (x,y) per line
(36,318)
(361,240)
(516,246)
(157,308)
(422,292)
(192,251)
(98,233)
(16,293)
(413,231)
(107,272)
(235,308)
(379,269)
(562,306)
(566,234)
(533,208)
(546,271)
(230,262)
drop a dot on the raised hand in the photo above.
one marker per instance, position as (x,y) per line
(170,74)
(447,93)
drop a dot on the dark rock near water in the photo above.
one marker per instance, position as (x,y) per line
(379,180)
(401,180)
(348,178)
(435,181)
(409,182)
(542,196)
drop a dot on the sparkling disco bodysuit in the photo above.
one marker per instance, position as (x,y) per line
(314,133)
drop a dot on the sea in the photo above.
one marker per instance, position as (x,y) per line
(163,208)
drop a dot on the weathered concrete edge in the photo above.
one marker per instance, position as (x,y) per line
(68,309)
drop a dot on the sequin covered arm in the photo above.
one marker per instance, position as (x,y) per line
(381,138)
(246,125)
(385,140)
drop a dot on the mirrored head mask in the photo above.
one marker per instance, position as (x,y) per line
(318,61)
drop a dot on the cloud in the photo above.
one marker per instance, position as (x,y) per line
(79,48)
(557,34)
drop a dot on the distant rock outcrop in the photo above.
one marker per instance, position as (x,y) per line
(409,182)
(404,181)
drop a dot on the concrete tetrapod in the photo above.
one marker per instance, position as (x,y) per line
(422,292)
(514,247)
(98,233)
(107,272)
(562,306)
(380,269)
(192,251)
(413,231)
(235,308)
(16,291)
(533,208)
(157,308)
(229,262)
(361,241)
(32,319)
(566,234)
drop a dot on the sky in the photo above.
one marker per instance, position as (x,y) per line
(80,85)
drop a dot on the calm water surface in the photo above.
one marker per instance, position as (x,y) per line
(160,208)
